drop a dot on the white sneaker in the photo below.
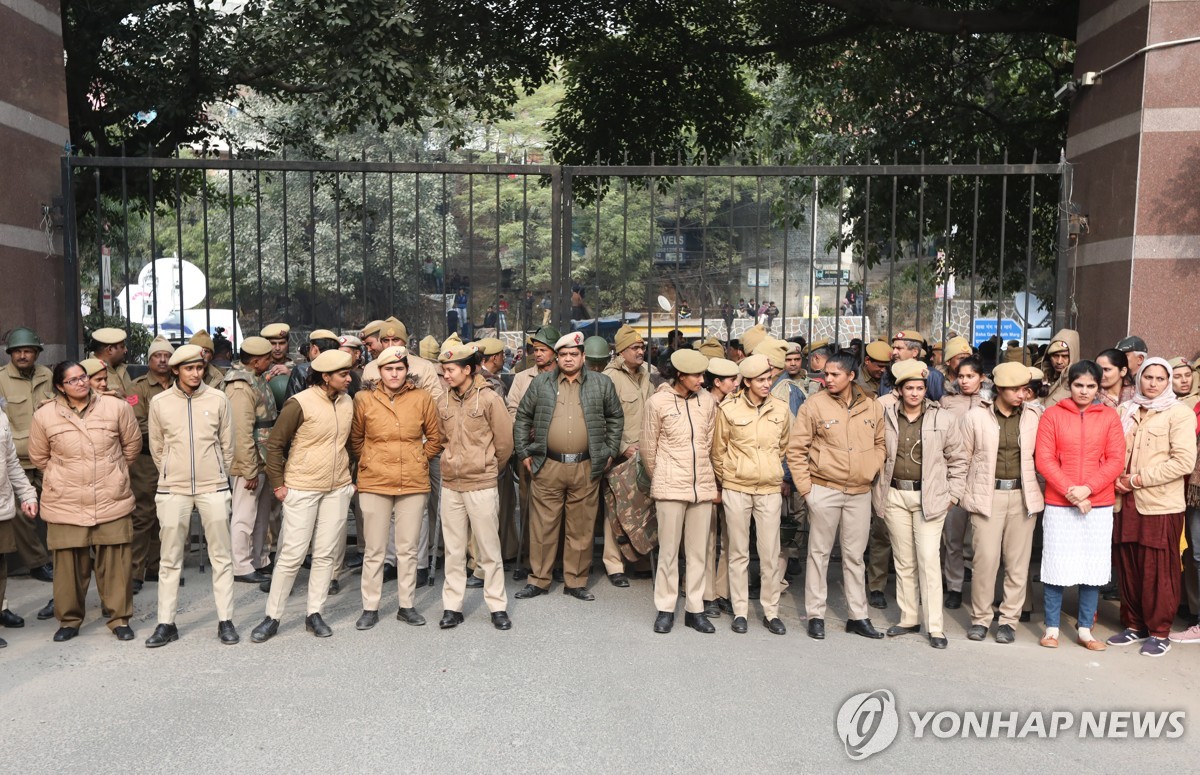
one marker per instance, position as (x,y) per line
(1190,635)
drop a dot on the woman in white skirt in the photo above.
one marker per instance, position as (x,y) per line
(1080,453)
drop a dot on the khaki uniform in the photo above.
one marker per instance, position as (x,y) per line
(119,381)
(213,376)
(21,397)
(252,407)
(634,390)
(143,478)
(517,391)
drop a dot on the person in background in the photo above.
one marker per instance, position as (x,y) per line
(278,334)
(16,495)
(878,357)
(97,373)
(1115,388)
(1136,352)
(1183,382)
(1062,351)
(720,380)
(907,345)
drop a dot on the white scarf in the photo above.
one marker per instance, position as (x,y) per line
(1165,400)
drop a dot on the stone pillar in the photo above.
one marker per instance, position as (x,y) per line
(33,133)
(1134,137)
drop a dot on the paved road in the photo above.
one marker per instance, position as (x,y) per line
(574,686)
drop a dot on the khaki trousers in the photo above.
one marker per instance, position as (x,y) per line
(829,510)
(614,562)
(317,518)
(879,550)
(1006,536)
(740,507)
(954,538)
(251,515)
(563,498)
(143,480)
(476,512)
(27,542)
(716,569)
(432,504)
(175,519)
(508,512)
(686,522)
(916,544)
(387,518)
(73,548)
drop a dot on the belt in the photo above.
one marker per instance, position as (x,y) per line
(577,457)
(906,484)
(1008,484)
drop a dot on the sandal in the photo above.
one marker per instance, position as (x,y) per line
(1048,642)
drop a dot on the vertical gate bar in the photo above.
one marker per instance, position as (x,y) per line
(416,262)
(624,248)
(258,239)
(837,296)
(362,241)
(287,288)
(862,297)
(920,237)
(812,262)
(153,240)
(499,268)
(1063,315)
(758,248)
(596,308)
(678,247)
(232,257)
(391,308)
(70,264)
(179,259)
(204,228)
(337,241)
(525,249)
(1028,259)
(565,250)
(785,189)
(704,254)
(650,274)
(100,250)
(729,284)
(125,243)
(947,271)
(556,182)
(470,247)
(891,328)
(974,250)
(312,246)
(1000,274)
(445,257)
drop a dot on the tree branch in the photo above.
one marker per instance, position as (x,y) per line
(1060,17)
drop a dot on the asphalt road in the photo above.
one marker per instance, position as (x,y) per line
(574,686)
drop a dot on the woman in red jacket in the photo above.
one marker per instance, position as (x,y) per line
(1080,452)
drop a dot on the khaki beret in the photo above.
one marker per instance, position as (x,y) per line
(1016,353)
(1178,363)
(393,329)
(626,337)
(93,366)
(817,345)
(774,350)
(903,371)
(331,361)
(909,336)
(752,337)
(188,353)
(722,367)
(349,340)
(490,345)
(202,339)
(955,347)
(1011,374)
(451,341)
(794,348)
(391,355)
(754,366)
(936,346)
(371,329)
(109,335)
(322,333)
(159,345)
(275,331)
(1058,346)
(573,339)
(710,348)
(879,351)
(457,353)
(1036,374)
(429,348)
(688,361)
(256,345)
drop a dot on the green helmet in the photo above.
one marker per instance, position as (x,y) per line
(22,337)
(278,386)
(595,348)
(547,335)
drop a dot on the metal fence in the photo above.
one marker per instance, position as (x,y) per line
(823,251)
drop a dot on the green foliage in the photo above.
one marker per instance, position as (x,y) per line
(139,337)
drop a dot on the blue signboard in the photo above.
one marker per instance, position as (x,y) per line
(985,329)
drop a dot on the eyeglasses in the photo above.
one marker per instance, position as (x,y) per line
(76,380)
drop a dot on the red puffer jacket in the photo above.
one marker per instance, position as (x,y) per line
(1080,448)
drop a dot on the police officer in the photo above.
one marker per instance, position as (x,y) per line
(878,358)
(108,344)
(907,345)
(212,374)
(191,441)
(596,353)
(278,335)
(97,373)
(143,473)
(252,408)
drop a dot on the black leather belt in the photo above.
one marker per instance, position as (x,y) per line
(577,457)
(1008,484)
(906,484)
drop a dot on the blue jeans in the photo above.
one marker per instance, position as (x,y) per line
(1089,598)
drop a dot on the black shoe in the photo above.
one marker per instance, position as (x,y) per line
(520,574)
(528,591)
(124,632)
(354,562)
(137,585)
(422,577)
(896,630)
(265,586)
(816,629)
(938,642)
(739,625)
(227,633)
(3,643)
(976,632)
(317,626)
(335,587)
(64,634)
(410,616)
(269,568)
(793,568)
(618,579)
(307,564)
(1025,615)
(663,622)
(725,605)
(557,575)
(253,577)
(10,620)
(42,573)
(501,621)
(1110,593)
(864,628)
(753,592)
(368,620)
(450,619)
(711,609)
(389,572)
(162,635)
(579,593)
(699,623)
(1005,634)
(774,626)
(877,600)
(265,630)
(953,600)
(46,612)
(474,582)
(640,575)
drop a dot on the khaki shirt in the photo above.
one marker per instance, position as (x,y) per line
(1008,454)
(908,449)
(567,434)
(120,383)
(141,391)
(634,390)
(21,397)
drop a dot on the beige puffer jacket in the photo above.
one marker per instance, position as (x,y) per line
(12,476)
(191,440)
(943,461)
(981,440)
(1161,449)
(749,444)
(85,460)
(676,445)
(309,447)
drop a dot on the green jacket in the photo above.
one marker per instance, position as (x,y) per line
(601,411)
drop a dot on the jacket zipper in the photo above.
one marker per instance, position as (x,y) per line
(191,444)
(692,439)
(336,433)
